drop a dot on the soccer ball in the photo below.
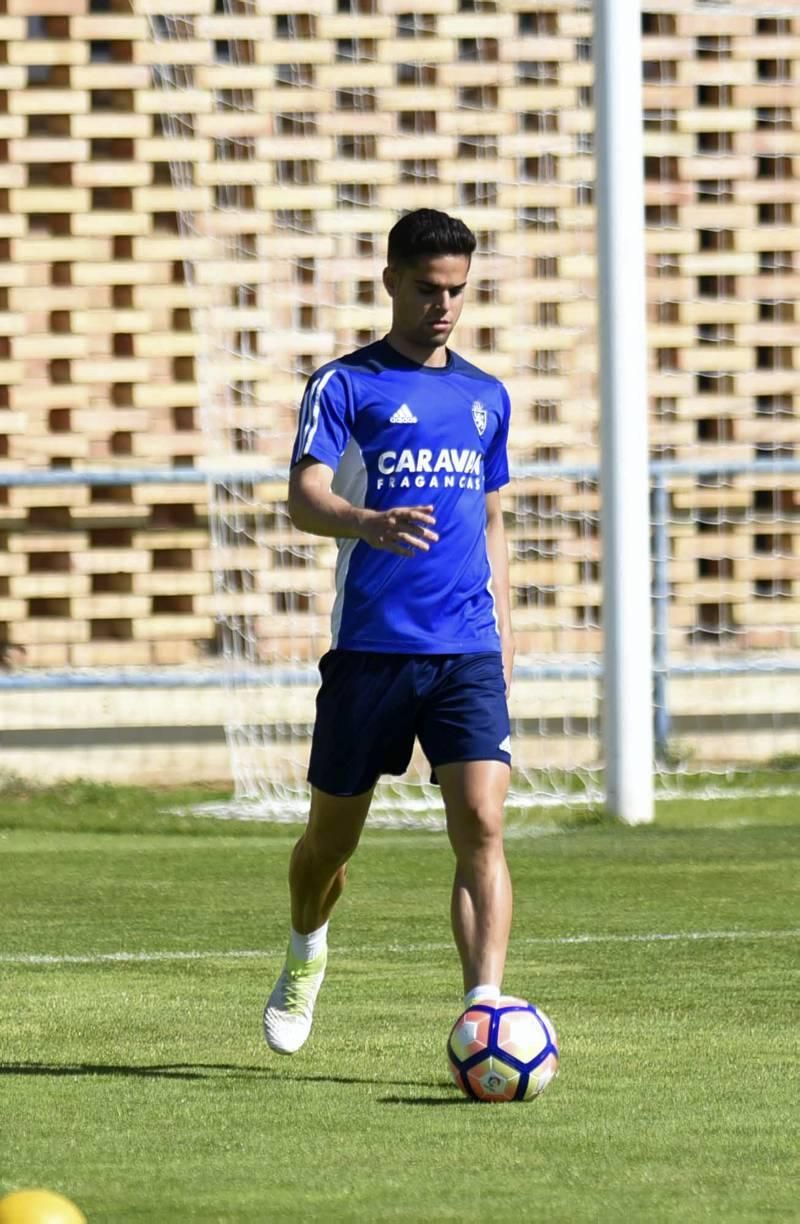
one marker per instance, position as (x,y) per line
(503,1051)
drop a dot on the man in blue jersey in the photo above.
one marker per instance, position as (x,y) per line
(400,455)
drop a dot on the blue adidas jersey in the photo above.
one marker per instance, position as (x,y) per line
(398,433)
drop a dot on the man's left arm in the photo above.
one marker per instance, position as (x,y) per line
(497,550)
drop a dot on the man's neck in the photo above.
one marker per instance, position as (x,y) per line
(435,358)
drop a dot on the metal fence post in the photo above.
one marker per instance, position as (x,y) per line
(660,546)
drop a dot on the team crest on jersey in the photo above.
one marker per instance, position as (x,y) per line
(479,416)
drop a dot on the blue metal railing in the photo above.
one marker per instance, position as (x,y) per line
(112,477)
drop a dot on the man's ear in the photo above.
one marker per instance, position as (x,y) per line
(389,280)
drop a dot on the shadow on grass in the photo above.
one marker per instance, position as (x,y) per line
(208,1071)
(97,1069)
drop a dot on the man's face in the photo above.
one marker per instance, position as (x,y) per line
(427,297)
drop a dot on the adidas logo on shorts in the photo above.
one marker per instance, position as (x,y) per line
(505,744)
(403,416)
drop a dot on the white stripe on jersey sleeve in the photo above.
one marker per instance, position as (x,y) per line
(312,412)
(302,424)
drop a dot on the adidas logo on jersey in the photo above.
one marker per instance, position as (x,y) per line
(403,416)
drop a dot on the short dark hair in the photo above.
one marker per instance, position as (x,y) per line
(428,232)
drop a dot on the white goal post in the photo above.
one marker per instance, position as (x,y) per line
(624,485)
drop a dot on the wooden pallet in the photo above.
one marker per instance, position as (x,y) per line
(102,363)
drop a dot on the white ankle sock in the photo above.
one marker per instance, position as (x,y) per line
(308,947)
(486,994)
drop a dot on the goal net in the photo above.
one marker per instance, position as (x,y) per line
(295,141)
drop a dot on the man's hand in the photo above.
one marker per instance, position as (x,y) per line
(403,530)
(314,507)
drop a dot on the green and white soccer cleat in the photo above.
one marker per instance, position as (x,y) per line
(290,1008)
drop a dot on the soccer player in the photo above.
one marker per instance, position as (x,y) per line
(400,455)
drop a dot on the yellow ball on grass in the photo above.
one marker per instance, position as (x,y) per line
(39,1207)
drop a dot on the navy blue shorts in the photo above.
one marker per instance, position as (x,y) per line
(371,707)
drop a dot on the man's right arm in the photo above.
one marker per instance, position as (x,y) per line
(314,507)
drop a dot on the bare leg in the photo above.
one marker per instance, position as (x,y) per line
(474,793)
(318,865)
(316,879)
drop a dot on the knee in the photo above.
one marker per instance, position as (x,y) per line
(477,831)
(328,853)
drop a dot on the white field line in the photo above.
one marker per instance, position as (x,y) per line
(655,937)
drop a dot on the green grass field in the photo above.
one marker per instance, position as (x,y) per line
(139,1084)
